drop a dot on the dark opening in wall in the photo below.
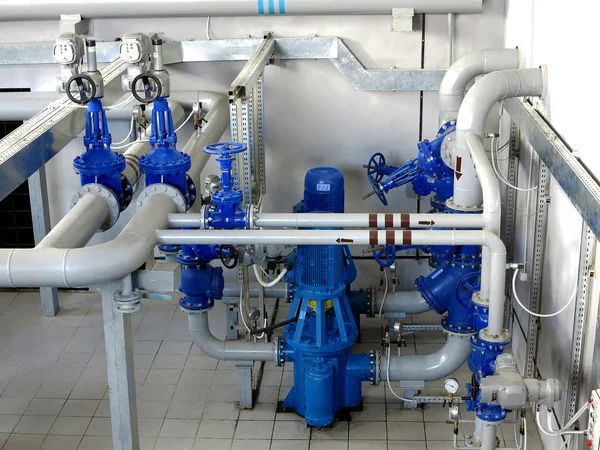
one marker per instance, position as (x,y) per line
(16,228)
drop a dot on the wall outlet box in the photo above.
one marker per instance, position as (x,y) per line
(593,439)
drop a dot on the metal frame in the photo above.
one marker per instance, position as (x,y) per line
(248,76)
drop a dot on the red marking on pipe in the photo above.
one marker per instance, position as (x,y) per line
(340,240)
(404,220)
(389,220)
(390,237)
(426,222)
(457,172)
(373,237)
(407,237)
(372,220)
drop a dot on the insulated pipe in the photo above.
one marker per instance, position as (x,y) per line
(430,367)
(497,251)
(54,267)
(226,350)
(344,220)
(455,81)
(50,9)
(79,225)
(488,435)
(217,121)
(272,292)
(409,302)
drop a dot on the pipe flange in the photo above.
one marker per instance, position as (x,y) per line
(464,209)
(251,217)
(278,351)
(203,212)
(375,360)
(503,339)
(479,300)
(106,194)
(163,189)
(463,335)
(128,303)
(447,151)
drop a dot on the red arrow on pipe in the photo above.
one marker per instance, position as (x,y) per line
(426,222)
(458,167)
(340,240)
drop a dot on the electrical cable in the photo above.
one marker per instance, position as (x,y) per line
(268,275)
(501,175)
(119,105)
(184,122)
(383,299)
(208,28)
(129,144)
(128,134)
(242,313)
(280,324)
(389,354)
(563,430)
(270,283)
(514,286)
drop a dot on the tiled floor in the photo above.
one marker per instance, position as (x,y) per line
(54,392)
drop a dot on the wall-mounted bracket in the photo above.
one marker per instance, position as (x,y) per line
(247,78)
(403,19)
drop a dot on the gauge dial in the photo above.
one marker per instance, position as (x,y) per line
(451,385)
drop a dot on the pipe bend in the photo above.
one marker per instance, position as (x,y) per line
(226,350)
(409,302)
(430,367)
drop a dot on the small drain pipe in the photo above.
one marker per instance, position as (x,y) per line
(227,350)
(430,367)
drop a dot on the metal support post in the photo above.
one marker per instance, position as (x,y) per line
(260,144)
(40,215)
(245,383)
(539,243)
(249,75)
(248,139)
(121,376)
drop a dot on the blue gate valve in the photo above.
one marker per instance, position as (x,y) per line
(201,283)
(226,212)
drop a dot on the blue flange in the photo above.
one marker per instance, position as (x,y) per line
(201,283)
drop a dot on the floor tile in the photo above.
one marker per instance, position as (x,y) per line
(79,408)
(407,445)
(221,410)
(55,389)
(339,431)
(261,411)
(289,444)
(437,431)
(247,429)
(73,426)
(95,443)
(212,444)
(8,422)
(44,407)
(291,430)
(14,405)
(34,425)
(61,442)
(374,412)
(185,428)
(222,429)
(251,444)
(179,409)
(99,426)
(153,409)
(367,445)
(88,391)
(328,445)
(24,442)
(174,444)
(406,431)
(149,428)
(368,430)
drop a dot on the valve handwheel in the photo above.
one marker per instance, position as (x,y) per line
(81,89)
(225,149)
(150,86)
(228,255)
(386,256)
(375,176)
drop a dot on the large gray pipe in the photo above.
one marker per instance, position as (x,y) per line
(409,302)
(55,267)
(51,9)
(79,225)
(226,350)
(459,75)
(430,367)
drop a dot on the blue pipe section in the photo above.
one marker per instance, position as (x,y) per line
(201,283)
(99,164)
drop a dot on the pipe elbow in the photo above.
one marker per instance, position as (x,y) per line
(494,244)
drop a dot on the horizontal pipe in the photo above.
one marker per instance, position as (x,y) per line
(272,292)
(478,62)
(79,225)
(93,9)
(54,267)
(430,367)
(409,302)
(497,250)
(226,350)
(346,220)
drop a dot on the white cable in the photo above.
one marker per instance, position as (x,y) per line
(383,298)
(208,28)
(389,354)
(128,134)
(265,273)
(242,313)
(524,434)
(514,286)
(563,430)
(184,122)
(270,283)
(119,105)
(501,176)
(129,144)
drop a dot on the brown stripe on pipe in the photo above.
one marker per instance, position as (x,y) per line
(389,220)
(373,237)
(407,237)
(390,237)
(372,220)
(404,220)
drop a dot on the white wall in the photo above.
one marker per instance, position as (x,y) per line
(561,36)
(313,116)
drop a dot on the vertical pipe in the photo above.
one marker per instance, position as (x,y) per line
(488,436)
(450,39)
(90,53)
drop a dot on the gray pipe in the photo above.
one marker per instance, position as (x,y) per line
(88,266)
(488,435)
(50,9)
(430,367)
(455,81)
(217,121)
(272,292)
(79,225)
(409,302)
(226,350)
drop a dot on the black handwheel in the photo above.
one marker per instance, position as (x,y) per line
(81,88)
(229,256)
(150,86)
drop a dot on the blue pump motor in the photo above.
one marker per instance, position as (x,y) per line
(327,377)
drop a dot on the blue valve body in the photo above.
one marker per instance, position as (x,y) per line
(99,164)
(201,283)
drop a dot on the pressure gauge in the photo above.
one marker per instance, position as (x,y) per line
(451,385)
